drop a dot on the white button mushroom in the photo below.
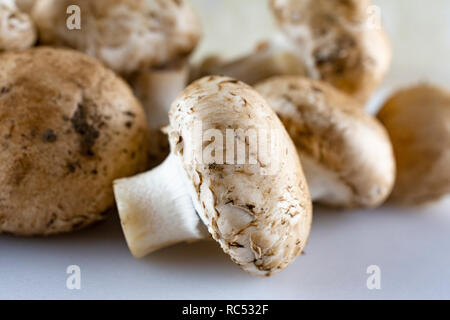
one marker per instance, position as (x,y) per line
(418,122)
(68,128)
(17,31)
(346,153)
(342,42)
(259,209)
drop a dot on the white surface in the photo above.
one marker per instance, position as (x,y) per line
(411,246)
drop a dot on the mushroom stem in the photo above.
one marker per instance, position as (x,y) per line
(157,88)
(277,57)
(156,209)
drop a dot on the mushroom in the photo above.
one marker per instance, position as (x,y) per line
(148,42)
(68,128)
(339,42)
(277,57)
(25,5)
(346,153)
(126,35)
(256,204)
(17,31)
(418,122)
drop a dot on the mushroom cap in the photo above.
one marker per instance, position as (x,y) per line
(126,35)
(346,153)
(17,31)
(68,128)
(418,122)
(262,220)
(338,44)
(25,5)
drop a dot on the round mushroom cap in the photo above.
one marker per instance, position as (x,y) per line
(345,152)
(126,35)
(68,128)
(17,31)
(341,43)
(418,122)
(258,207)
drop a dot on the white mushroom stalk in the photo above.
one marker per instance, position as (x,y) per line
(156,209)
(156,89)
(259,209)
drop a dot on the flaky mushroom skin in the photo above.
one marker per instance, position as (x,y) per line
(346,153)
(339,42)
(124,34)
(418,122)
(68,128)
(261,221)
(17,31)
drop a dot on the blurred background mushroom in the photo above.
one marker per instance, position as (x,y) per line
(17,30)
(147,42)
(418,122)
(332,41)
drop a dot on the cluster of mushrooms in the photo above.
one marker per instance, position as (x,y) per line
(83,111)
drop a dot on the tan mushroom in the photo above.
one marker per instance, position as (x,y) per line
(259,211)
(418,122)
(341,42)
(25,5)
(17,31)
(346,153)
(126,35)
(146,41)
(68,128)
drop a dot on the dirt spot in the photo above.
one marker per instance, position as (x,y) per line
(49,136)
(130,114)
(129,124)
(87,132)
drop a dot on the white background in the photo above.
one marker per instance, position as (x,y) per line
(411,245)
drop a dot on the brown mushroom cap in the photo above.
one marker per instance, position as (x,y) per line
(261,220)
(346,153)
(25,5)
(418,122)
(68,128)
(338,46)
(17,31)
(124,34)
